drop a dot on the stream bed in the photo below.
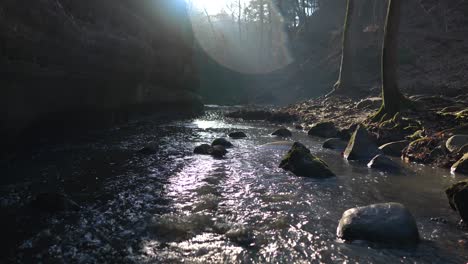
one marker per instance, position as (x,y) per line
(174,206)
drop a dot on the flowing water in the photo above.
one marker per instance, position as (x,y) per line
(175,206)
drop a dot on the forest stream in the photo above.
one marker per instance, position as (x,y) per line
(174,206)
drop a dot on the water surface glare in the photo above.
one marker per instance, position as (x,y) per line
(177,207)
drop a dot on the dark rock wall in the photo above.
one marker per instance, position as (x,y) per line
(68,56)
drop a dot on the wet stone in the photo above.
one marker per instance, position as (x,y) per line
(301,162)
(282,132)
(218,151)
(361,146)
(222,142)
(381,162)
(457,196)
(456,142)
(238,134)
(394,149)
(334,143)
(203,149)
(461,166)
(386,223)
(325,130)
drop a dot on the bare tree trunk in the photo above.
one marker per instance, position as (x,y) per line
(239,21)
(345,83)
(391,95)
(262,29)
(304,15)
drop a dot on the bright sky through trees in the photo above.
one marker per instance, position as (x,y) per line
(213,6)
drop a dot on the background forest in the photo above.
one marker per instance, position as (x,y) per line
(295,46)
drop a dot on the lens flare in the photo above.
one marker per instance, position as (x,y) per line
(246,41)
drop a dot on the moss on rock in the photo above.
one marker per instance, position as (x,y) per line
(301,162)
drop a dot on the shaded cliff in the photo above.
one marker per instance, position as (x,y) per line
(62,58)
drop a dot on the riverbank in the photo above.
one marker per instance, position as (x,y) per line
(426,127)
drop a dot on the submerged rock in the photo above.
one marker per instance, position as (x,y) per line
(203,149)
(218,151)
(334,143)
(242,236)
(461,166)
(454,143)
(457,195)
(361,146)
(215,151)
(221,142)
(301,162)
(53,202)
(148,150)
(324,129)
(388,223)
(282,132)
(394,149)
(384,163)
(238,134)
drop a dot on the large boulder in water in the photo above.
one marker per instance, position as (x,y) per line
(324,129)
(361,146)
(394,149)
(454,143)
(301,162)
(457,195)
(461,166)
(222,142)
(387,223)
(282,132)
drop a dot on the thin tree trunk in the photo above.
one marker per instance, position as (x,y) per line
(391,95)
(239,21)
(304,15)
(345,80)
(262,29)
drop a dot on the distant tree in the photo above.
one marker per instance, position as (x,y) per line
(393,99)
(345,83)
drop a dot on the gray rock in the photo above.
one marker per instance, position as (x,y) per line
(394,149)
(387,223)
(238,134)
(324,129)
(203,149)
(384,163)
(282,132)
(334,143)
(361,146)
(301,162)
(461,166)
(454,143)
(221,142)
(457,195)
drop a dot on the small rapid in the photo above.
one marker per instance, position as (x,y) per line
(175,206)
